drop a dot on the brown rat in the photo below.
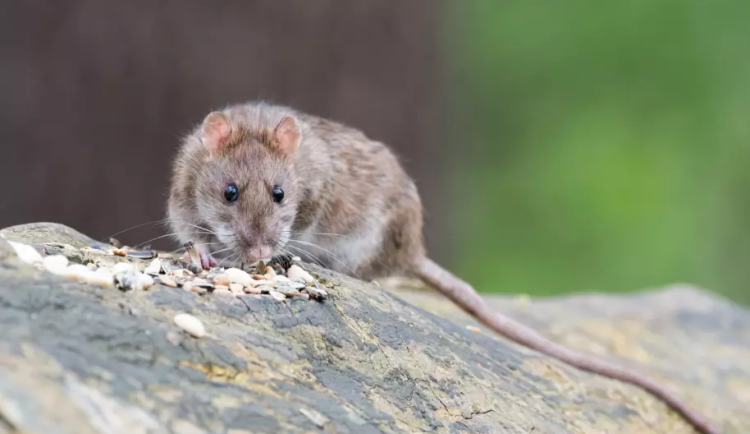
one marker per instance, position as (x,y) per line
(257,180)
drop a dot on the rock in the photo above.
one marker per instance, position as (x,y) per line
(26,253)
(74,358)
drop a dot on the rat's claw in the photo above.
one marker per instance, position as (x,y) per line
(207,261)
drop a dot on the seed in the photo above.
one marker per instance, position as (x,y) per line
(168,281)
(473,329)
(146,281)
(141,254)
(297,273)
(76,272)
(238,276)
(193,253)
(154,267)
(180,272)
(270,273)
(222,279)
(317,293)
(123,267)
(97,278)
(55,264)
(190,324)
(277,295)
(252,290)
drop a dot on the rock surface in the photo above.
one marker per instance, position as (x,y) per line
(76,358)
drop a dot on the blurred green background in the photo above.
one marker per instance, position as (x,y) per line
(605,145)
(581,145)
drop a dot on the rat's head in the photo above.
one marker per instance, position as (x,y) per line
(247,189)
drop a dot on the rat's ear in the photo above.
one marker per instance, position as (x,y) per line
(287,135)
(216,130)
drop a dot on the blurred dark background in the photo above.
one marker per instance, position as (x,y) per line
(580,146)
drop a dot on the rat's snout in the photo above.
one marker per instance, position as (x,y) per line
(255,246)
(257,253)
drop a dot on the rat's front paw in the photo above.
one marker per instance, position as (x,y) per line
(207,261)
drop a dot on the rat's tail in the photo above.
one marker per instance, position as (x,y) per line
(469,300)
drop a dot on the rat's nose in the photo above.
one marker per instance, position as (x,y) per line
(258,253)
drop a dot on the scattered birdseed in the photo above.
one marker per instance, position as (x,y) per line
(251,289)
(270,273)
(180,272)
(190,324)
(295,272)
(288,292)
(473,329)
(168,281)
(198,290)
(195,257)
(101,279)
(205,284)
(317,293)
(123,267)
(128,280)
(277,295)
(238,276)
(222,279)
(141,254)
(56,264)
(154,267)
(146,281)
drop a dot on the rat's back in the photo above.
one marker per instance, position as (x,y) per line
(362,215)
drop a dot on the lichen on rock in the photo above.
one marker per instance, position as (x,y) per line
(77,358)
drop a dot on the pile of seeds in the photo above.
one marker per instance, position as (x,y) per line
(105,266)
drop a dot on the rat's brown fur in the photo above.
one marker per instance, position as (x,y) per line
(348,205)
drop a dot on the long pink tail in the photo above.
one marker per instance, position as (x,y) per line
(469,300)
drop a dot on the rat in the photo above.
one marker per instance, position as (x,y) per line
(257,180)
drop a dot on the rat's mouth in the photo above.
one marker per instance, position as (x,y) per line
(258,253)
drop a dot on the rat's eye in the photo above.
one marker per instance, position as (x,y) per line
(278,194)
(231,193)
